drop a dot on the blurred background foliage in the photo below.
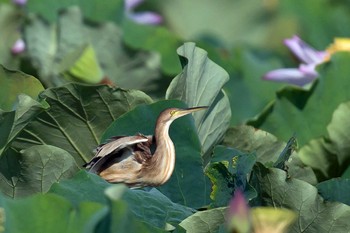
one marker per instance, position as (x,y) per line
(244,37)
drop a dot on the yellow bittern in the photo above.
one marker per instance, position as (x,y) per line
(129,160)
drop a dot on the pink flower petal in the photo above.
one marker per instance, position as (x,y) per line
(146,18)
(131,4)
(292,76)
(304,52)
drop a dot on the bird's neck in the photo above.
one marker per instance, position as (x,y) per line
(164,155)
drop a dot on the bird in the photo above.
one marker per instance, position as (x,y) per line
(129,159)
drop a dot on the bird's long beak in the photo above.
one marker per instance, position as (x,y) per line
(183,112)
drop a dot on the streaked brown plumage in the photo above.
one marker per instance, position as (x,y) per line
(128,159)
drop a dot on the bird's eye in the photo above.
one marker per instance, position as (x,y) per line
(172,113)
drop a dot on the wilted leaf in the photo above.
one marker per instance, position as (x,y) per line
(200,84)
(77,117)
(13,83)
(314,214)
(34,170)
(284,156)
(335,190)
(229,175)
(205,221)
(267,149)
(187,185)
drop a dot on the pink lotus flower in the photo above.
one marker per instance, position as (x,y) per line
(141,17)
(306,72)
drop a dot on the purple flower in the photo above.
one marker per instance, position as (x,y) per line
(306,72)
(19,2)
(141,17)
(18,47)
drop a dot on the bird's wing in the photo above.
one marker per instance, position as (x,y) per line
(111,148)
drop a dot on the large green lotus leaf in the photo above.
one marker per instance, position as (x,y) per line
(336,189)
(13,83)
(314,214)
(200,84)
(248,93)
(248,139)
(34,170)
(230,174)
(83,186)
(77,117)
(11,123)
(50,213)
(149,206)
(329,156)
(92,9)
(267,148)
(188,184)
(122,218)
(10,20)
(74,48)
(205,221)
(307,113)
(6,123)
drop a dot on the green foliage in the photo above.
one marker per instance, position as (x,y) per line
(245,87)
(298,111)
(227,176)
(77,118)
(34,170)
(329,156)
(200,84)
(205,221)
(91,8)
(86,52)
(335,190)
(275,189)
(12,84)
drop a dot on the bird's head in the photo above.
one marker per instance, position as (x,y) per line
(171,114)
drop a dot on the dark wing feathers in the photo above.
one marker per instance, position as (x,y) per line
(118,148)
